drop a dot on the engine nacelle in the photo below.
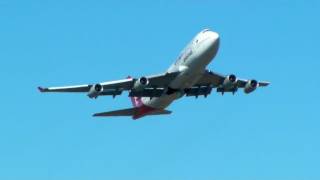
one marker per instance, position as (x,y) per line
(250,86)
(230,81)
(95,90)
(141,83)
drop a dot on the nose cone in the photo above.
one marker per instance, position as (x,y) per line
(214,38)
(213,35)
(212,43)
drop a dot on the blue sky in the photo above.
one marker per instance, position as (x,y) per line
(270,134)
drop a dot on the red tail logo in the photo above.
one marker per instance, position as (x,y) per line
(136,101)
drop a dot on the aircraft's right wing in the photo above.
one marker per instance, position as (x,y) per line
(116,87)
(222,83)
(217,80)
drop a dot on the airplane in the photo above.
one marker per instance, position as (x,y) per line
(187,76)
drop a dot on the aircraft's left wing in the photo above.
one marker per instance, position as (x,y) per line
(114,88)
(124,84)
(222,83)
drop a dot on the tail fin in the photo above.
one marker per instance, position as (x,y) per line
(136,101)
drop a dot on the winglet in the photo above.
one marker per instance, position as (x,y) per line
(263,83)
(41,89)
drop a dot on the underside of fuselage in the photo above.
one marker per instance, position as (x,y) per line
(191,64)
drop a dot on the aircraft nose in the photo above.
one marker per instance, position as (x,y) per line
(214,42)
(214,36)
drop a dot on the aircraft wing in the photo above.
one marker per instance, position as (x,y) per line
(216,80)
(114,87)
(124,84)
(223,83)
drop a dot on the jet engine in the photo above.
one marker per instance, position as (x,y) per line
(95,90)
(230,81)
(250,86)
(141,83)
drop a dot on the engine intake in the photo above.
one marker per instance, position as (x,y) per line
(141,83)
(250,86)
(230,81)
(95,90)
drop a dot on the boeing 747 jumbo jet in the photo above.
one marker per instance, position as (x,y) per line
(187,76)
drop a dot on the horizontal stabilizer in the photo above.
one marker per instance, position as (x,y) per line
(130,112)
(122,112)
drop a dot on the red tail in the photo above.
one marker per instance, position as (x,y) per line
(136,101)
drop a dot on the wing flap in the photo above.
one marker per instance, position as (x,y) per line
(211,78)
(198,91)
(149,92)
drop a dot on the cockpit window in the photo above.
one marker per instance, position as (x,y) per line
(206,30)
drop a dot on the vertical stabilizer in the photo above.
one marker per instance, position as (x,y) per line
(136,101)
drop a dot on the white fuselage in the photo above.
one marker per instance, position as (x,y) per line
(191,64)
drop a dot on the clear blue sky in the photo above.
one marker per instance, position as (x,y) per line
(270,134)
